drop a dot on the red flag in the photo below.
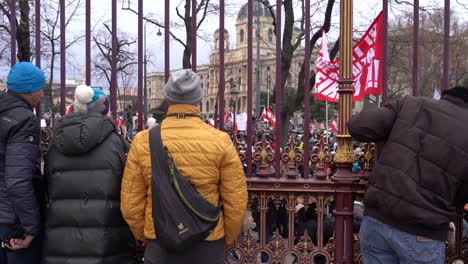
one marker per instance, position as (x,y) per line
(118,125)
(69,109)
(367,66)
(334,126)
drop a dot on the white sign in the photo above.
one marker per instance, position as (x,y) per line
(241,121)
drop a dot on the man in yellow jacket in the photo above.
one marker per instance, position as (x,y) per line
(205,155)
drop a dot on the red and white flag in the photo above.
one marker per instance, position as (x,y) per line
(269,116)
(229,119)
(212,122)
(367,66)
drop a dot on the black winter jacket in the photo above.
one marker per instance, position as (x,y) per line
(84,170)
(421,174)
(19,163)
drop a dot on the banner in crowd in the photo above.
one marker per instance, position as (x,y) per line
(367,66)
(241,121)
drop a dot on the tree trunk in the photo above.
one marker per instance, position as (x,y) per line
(23,32)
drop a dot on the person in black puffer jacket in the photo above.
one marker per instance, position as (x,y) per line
(419,179)
(84,170)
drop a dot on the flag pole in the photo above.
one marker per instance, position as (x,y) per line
(326,119)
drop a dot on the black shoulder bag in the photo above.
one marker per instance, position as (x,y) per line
(182,217)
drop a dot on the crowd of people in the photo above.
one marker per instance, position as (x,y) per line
(93,200)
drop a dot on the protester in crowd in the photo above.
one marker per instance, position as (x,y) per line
(201,153)
(419,179)
(20,176)
(84,171)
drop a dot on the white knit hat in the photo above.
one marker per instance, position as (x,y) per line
(83,95)
(151,122)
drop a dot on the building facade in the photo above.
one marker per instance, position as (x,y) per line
(236,65)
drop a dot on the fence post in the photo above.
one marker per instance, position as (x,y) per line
(344,157)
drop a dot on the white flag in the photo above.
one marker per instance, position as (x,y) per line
(436,94)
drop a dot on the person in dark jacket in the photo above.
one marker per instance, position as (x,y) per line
(419,179)
(20,225)
(84,170)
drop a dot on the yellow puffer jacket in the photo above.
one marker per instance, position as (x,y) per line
(203,154)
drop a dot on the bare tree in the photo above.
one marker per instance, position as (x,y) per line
(430,53)
(205,8)
(126,58)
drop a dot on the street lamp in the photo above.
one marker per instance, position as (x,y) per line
(126,6)
(145,91)
(232,103)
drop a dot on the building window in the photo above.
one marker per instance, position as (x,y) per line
(270,35)
(241,35)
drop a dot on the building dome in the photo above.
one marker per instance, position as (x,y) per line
(217,31)
(259,10)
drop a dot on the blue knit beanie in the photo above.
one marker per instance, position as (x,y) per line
(25,77)
(99,103)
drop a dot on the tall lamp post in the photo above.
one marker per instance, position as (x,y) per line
(126,6)
(145,62)
(232,103)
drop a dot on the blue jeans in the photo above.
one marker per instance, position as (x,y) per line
(382,244)
(30,255)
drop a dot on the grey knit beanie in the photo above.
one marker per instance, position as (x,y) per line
(183,87)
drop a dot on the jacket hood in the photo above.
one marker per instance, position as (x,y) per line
(457,95)
(78,133)
(11,100)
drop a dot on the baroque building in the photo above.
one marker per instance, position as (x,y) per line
(236,65)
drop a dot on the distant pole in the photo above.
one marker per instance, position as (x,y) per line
(145,86)
(278,89)
(166,40)
(38,47)
(326,118)
(88,42)
(13,31)
(113,88)
(141,50)
(385,52)
(62,58)
(415,47)
(445,80)
(194,35)
(257,80)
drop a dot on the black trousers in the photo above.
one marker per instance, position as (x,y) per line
(206,252)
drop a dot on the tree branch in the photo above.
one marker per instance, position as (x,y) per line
(205,10)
